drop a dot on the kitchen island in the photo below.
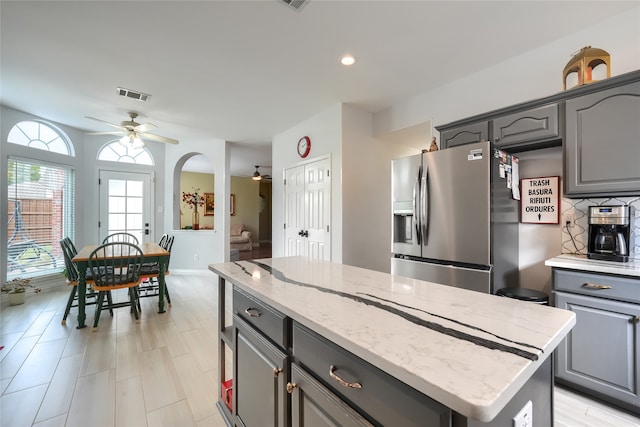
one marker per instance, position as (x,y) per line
(462,357)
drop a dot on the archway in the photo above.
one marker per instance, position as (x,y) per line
(194,173)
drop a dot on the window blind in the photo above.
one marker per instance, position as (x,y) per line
(40,213)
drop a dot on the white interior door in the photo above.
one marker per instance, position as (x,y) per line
(308,210)
(318,209)
(294,211)
(125,204)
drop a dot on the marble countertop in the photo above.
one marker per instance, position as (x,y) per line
(470,351)
(581,262)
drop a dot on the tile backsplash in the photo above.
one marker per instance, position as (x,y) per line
(580,207)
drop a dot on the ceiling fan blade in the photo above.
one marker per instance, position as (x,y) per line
(105,122)
(108,132)
(145,127)
(158,138)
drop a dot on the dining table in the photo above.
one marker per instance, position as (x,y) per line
(151,253)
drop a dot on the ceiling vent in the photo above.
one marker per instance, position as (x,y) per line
(296,4)
(128,93)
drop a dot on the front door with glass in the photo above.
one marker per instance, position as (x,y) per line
(125,204)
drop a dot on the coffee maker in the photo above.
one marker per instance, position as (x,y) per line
(610,233)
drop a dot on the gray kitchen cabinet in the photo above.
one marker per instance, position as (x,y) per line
(526,127)
(260,377)
(600,356)
(465,134)
(313,405)
(602,142)
(385,400)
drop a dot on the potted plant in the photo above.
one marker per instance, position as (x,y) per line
(17,289)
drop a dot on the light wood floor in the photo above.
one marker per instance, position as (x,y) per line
(160,372)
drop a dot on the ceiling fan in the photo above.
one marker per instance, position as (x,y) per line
(257,176)
(133,133)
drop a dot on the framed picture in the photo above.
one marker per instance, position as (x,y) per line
(540,200)
(208,204)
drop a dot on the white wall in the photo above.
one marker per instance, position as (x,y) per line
(366,186)
(533,74)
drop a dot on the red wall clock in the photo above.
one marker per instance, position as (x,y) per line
(304,146)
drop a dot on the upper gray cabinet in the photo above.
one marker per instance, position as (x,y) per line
(465,134)
(602,142)
(524,127)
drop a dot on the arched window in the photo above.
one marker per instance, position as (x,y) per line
(40,202)
(115,152)
(40,136)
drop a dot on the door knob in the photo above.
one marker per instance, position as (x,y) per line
(303,233)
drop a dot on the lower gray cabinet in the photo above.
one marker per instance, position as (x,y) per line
(313,405)
(260,379)
(600,353)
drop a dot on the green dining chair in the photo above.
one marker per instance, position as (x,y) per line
(121,237)
(71,273)
(114,266)
(150,271)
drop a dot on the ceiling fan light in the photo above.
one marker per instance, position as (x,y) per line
(124,141)
(131,141)
(256,174)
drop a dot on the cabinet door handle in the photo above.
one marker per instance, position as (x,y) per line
(252,312)
(291,387)
(276,372)
(596,286)
(340,380)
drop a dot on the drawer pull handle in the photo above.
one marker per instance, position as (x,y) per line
(340,380)
(291,387)
(276,372)
(253,312)
(596,286)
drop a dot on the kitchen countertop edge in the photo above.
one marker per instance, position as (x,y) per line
(582,263)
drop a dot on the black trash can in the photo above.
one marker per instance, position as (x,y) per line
(524,294)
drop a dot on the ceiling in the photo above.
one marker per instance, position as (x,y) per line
(243,71)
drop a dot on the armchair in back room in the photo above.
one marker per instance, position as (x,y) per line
(240,238)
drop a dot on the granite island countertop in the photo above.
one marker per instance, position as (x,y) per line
(467,350)
(581,262)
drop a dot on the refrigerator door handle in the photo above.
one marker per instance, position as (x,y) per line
(424,208)
(416,206)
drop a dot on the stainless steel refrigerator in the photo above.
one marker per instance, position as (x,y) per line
(454,219)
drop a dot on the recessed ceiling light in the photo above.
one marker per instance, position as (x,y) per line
(347,60)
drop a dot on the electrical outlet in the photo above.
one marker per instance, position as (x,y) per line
(524,418)
(568,220)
